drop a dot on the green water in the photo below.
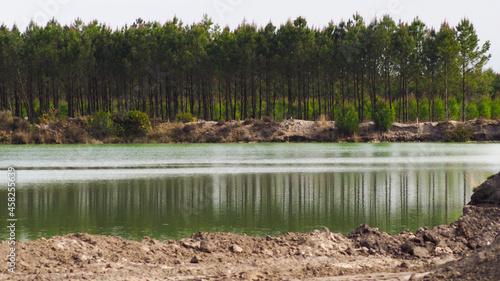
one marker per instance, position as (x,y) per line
(171,191)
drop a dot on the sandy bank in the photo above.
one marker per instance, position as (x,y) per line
(73,131)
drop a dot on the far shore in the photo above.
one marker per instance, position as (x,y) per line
(73,131)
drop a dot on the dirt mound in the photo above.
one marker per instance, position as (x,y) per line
(482,265)
(230,256)
(488,192)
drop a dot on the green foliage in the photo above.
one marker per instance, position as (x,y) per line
(412,109)
(495,109)
(99,125)
(280,115)
(63,110)
(439,110)
(423,114)
(185,117)
(135,124)
(368,109)
(208,67)
(471,111)
(459,133)
(484,108)
(383,116)
(454,108)
(347,121)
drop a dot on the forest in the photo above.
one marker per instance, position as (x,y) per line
(350,69)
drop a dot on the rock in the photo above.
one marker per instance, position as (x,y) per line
(207,246)
(442,244)
(443,251)
(428,236)
(236,249)
(195,259)
(407,247)
(191,244)
(488,193)
(420,252)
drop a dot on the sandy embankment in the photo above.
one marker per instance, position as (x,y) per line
(72,131)
(315,131)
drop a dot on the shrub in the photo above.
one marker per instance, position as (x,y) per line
(439,110)
(185,117)
(135,124)
(99,125)
(471,111)
(188,128)
(20,137)
(19,123)
(248,122)
(75,134)
(347,121)
(484,108)
(63,110)
(323,121)
(495,109)
(383,117)
(51,115)
(423,114)
(460,133)
(5,119)
(412,109)
(454,108)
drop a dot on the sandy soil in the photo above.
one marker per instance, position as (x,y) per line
(364,254)
(314,131)
(73,131)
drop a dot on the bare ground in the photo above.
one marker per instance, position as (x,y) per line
(73,131)
(364,254)
(314,131)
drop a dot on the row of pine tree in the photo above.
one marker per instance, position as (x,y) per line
(290,71)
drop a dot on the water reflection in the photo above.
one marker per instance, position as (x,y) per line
(256,204)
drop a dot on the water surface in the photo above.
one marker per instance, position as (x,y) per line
(171,191)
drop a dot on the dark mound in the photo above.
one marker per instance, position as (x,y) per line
(482,265)
(488,193)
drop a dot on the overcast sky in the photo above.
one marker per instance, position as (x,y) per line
(483,14)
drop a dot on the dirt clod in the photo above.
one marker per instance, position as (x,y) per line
(236,249)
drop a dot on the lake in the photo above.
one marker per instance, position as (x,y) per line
(170,191)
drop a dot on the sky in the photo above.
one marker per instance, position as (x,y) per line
(318,13)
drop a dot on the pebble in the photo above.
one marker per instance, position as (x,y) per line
(236,249)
